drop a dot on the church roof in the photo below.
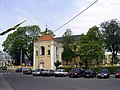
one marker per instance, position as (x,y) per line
(61,39)
(46,37)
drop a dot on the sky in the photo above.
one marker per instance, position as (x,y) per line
(54,13)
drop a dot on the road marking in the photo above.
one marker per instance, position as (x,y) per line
(5,73)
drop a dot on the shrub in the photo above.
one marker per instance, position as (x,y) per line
(111,69)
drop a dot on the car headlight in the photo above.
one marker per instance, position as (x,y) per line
(98,74)
(75,73)
(117,74)
(38,72)
(105,74)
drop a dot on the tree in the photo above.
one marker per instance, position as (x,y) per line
(67,41)
(91,49)
(22,39)
(111,37)
(51,33)
(84,49)
(95,38)
(57,63)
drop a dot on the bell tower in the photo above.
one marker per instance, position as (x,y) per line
(47,50)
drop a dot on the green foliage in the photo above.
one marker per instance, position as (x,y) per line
(90,47)
(57,63)
(111,37)
(22,39)
(51,33)
(67,55)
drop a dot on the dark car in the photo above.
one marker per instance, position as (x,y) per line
(76,72)
(37,72)
(19,69)
(47,72)
(27,71)
(104,73)
(117,74)
(90,73)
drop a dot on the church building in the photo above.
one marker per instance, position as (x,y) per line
(47,50)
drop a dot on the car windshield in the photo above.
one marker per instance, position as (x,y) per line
(37,70)
(27,69)
(60,70)
(103,71)
(89,70)
(19,68)
(75,70)
(46,70)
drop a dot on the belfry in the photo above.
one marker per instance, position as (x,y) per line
(47,50)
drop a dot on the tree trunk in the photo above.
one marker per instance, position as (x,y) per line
(86,64)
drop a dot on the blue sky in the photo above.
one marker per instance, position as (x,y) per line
(55,13)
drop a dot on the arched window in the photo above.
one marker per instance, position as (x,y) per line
(42,50)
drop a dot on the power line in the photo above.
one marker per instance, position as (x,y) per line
(76,15)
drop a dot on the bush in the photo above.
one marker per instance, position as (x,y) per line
(112,70)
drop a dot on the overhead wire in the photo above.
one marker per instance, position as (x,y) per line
(75,16)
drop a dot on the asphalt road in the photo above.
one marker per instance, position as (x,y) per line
(17,81)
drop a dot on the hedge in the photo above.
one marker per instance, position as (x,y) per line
(111,69)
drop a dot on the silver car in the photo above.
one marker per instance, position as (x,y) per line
(47,72)
(37,72)
(60,72)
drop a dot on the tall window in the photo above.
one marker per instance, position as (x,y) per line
(48,52)
(42,50)
(36,53)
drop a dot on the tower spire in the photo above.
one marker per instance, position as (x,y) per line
(46,30)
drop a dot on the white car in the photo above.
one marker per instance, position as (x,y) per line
(60,72)
(47,73)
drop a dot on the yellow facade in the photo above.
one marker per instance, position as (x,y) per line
(45,60)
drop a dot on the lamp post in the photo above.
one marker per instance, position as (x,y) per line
(21,57)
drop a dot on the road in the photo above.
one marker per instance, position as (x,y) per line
(18,81)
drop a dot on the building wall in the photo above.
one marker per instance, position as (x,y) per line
(46,59)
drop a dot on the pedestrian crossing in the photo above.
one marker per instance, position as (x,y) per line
(5,73)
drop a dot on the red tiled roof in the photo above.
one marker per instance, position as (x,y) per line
(46,37)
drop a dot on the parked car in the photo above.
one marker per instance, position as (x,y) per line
(117,74)
(27,71)
(90,73)
(76,72)
(37,72)
(104,73)
(19,69)
(60,72)
(47,72)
